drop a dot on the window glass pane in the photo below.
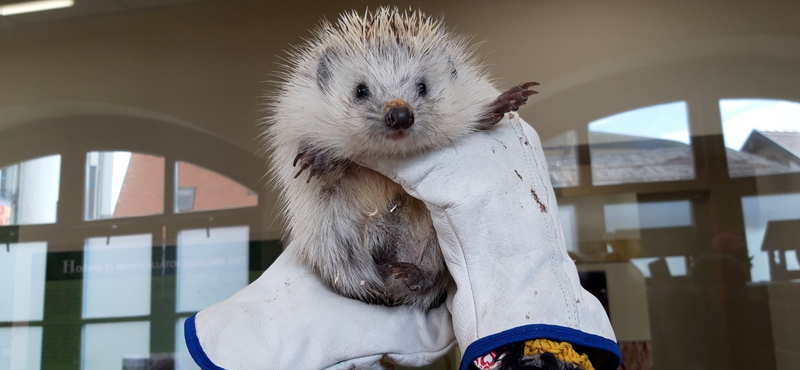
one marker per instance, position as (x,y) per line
(562,159)
(762,136)
(123,184)
(21,348)
(642,145)
(569,225)
(647,215)
(212,265)
(200,189)
(792,261)
(643,264)
(185,201)
(29,191)
(649,231)
(116,276)
(107,346)
(22,273)
(183,360)
(675,266)
(771,229)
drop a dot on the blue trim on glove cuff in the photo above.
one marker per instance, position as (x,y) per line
(195,349)
(488,344)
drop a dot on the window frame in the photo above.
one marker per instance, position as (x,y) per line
(63,311)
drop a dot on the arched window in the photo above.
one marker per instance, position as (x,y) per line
(122,234)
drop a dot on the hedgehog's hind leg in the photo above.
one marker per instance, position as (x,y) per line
(406,252)
(509,101)
(404,283)
(422,283)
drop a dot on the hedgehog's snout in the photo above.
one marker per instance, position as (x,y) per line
(400,117)
(399,114)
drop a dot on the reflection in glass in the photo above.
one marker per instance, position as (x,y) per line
(29,191)
(769,260)
(116,276)
(123,184)
(652,234)
(762,136)
(792,260)
(676,265)
(21,347)
(106,346)
(647,215)
(561,153)
(183,360)
(212,265)
(643,264)
(642,145)
(569,223)
(200,189)
(22,273)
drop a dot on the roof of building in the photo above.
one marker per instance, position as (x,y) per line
(788,140)
(640,159)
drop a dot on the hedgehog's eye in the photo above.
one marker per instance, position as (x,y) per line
(422,90)
(362,91)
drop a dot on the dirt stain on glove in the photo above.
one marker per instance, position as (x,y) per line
(542,207)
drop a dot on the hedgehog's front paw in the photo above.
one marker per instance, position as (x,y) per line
(509,101)
(411,275)
(317,162)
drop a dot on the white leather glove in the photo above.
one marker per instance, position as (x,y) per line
(289,319)
(496,218)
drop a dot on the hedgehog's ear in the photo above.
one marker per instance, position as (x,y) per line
(451,67)
(324,68)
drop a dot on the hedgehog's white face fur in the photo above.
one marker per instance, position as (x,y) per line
(339,86)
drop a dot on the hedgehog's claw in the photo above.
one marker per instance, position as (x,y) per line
(303,168)
(509,101)
(316,162)
(297,158)
(410,275)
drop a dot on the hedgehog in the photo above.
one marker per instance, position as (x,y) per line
(388,83)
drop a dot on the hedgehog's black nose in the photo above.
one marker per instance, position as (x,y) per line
(400,117)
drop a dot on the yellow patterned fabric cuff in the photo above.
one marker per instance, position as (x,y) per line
(561,350)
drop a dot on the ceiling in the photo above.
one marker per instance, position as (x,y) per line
(87,8)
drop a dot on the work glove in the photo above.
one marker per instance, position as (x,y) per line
(495,215)
(289,319)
